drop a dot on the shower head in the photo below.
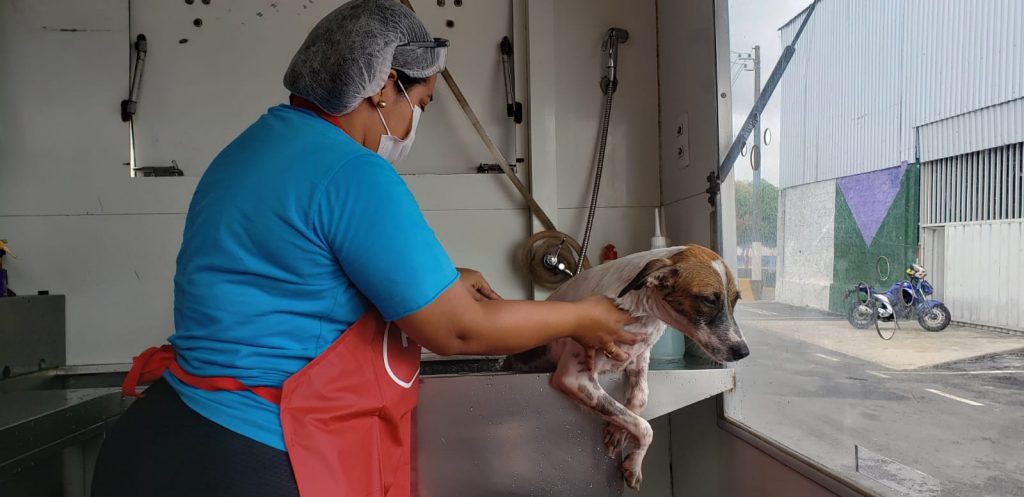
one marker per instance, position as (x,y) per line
(611,43)
(620,35)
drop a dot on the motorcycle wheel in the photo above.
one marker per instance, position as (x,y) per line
(862,315)
(936,318)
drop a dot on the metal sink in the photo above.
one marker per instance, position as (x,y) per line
(435,365)
(66,378)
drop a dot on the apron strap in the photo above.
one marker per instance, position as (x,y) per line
(302,103)
(148,366)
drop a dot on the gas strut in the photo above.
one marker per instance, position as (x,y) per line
(129,106)
(513,108)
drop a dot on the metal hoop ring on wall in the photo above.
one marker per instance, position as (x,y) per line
(878,268)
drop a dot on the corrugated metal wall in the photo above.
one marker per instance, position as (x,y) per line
(933,256)
(983,270)
(868,75)
(961,55)
(972,210)
(841,92)
(979,186)
(982,129)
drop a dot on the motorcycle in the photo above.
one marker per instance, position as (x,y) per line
(906,299)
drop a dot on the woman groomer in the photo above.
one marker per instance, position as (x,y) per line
(306,278)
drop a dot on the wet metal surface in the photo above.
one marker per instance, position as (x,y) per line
(908,481)
(35,423)
(509,435)
(514,435)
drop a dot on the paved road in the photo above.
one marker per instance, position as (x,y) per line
(961,423)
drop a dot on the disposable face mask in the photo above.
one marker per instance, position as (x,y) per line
(392,148)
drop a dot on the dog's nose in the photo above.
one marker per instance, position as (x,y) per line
(738,351)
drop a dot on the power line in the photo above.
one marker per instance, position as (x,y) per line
(736,77)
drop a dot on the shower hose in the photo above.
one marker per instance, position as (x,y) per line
(606,116)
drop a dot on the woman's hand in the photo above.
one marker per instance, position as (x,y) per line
(603,328)
(478,287)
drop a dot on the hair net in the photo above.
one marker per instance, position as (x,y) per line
(349,53)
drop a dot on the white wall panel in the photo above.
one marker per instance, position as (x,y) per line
(687,39)
(486,240)
(81,227)
(984,265)
(689,221)
(542,72)
(115,270)
(199,95)
(631,162)
(807,219)
(439,192)
(63,75)
(84,228)
(628,228)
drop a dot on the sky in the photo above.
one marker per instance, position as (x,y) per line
(756,22)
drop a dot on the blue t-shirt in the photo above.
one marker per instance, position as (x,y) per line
(293,231)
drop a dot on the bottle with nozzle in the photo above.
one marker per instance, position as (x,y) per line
(658,240)
(671,344)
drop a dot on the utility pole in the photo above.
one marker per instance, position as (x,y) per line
(756,282)
(756,278)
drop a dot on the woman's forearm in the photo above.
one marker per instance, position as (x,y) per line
(507,327)
(456,324)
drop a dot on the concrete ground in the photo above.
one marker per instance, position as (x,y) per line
(911,347)
(934,413)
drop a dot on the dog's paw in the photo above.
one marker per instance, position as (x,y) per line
(631,470)
(614,439)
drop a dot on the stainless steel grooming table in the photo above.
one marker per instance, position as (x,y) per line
(479,432)
(485,433)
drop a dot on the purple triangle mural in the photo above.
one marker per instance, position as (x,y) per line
(870,195)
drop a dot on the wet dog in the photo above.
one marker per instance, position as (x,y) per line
(689,288)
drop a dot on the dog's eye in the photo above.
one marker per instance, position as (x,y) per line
(710,300)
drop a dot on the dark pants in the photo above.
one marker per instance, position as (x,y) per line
(162,448)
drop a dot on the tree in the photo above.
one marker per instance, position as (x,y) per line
(769,212)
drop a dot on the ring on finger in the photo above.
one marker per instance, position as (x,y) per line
(608,354)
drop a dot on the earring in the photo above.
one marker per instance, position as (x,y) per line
(381,104)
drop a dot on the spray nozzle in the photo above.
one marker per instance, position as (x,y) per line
(616,36)
(658,240)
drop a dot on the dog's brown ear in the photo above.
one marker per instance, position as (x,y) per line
(651,270)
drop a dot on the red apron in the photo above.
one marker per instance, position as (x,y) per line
(346,416)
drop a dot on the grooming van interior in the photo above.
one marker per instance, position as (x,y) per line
(561,127)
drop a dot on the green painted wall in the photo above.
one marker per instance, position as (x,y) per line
(896,239)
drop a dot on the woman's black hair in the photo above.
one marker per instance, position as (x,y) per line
(409,81)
